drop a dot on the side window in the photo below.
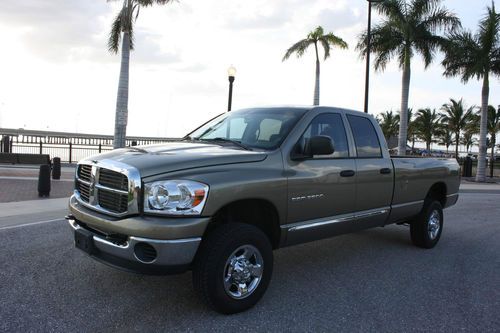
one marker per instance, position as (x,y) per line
(329,124)
(365,137)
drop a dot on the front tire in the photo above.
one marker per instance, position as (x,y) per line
(426,229)
(233,267)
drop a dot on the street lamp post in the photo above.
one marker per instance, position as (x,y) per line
(231,72)
(368,51)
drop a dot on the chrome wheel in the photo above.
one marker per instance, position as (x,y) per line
(434,224)
(243,272)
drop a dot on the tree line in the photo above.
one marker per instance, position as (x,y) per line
(453,124)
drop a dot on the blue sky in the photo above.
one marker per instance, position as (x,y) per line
(57,74)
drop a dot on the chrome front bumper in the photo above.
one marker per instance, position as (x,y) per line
(172,256)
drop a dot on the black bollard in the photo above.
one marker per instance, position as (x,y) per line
(44,181)
(464,168)
(6,144)
(468,168)
(56,168)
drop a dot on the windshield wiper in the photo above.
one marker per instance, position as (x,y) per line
(234,142)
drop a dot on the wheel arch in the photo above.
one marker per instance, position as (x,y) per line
(257,212)
(437,191)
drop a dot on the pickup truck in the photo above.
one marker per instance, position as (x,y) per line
(221,199)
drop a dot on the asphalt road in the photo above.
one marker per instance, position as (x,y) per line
(369,281)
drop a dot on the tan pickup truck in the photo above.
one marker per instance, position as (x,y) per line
(221,199)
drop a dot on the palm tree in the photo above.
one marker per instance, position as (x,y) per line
(477,56)
(316,37)
(427,125)
(122,30)
(456,117)
(409,27)
(468,141)
(445,136)
(493,129)
(412,129)
(389,123)
(471,129)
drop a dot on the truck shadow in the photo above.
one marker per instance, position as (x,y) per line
(352,273)
(345,256)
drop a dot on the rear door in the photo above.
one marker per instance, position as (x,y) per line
(374,173)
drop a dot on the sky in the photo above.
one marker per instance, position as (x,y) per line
(56,73)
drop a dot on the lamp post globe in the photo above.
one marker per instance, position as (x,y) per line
(231,73)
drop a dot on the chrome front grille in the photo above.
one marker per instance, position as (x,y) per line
(108,186)
(113,179)
(84,190)
(84,172)
(114,202)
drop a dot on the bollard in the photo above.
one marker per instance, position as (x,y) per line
(6,144)
(56,168)
(467,172)
(464,168)
(44,181)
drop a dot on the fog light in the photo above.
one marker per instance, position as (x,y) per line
(144,252)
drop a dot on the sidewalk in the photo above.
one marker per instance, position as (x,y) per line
(20,183)
(31,171)
(471,187)
(29,207)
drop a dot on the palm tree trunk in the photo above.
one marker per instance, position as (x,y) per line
(481,159)
(403,117)
(316,85)
(457,141)
(122,97)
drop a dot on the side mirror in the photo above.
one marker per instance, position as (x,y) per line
(317,145)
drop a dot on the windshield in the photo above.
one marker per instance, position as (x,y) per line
(255,128)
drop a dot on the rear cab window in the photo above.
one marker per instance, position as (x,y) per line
(365,137)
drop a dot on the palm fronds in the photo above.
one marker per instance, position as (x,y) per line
(316,37)
(125,19)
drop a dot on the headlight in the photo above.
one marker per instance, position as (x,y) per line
(175,197)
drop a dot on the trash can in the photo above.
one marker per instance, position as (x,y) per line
(467,167)
(44,181)
(56,168)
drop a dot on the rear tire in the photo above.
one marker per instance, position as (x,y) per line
(233,267)
(426,229)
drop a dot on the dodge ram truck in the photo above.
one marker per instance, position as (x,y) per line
(220,200)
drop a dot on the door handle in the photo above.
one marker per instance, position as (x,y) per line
(385,171)
(347,173)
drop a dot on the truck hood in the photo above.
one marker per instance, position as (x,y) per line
(175,156)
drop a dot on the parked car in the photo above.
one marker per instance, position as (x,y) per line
(221,199)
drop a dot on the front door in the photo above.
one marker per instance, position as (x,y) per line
(321,189)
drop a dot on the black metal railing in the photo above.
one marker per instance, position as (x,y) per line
(70,147)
